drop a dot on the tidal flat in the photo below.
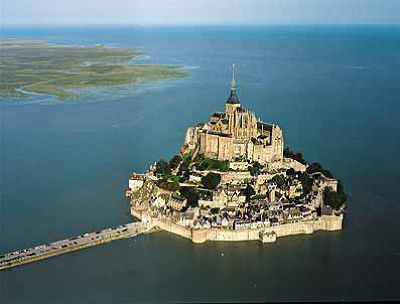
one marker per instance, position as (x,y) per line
(38,67)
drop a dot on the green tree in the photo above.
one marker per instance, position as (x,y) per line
(334,199)
(316,167)
(255,168)
(191,194)
(213,164)
(199,158)
(187,156)
(184,168)
(214,210)
(279,180)
(294,155)
(290,172)
(249,192)
(258,197)
(306,182)
(175,161)
(168,185)
(211,180)
(163,168)
(174,178)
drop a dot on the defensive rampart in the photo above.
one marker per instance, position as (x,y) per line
(326,223)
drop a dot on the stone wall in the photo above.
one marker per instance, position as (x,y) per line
(216,146)
(235,177)
(291,163)
(212,143)
(326,223)
(238,165)
(172,228)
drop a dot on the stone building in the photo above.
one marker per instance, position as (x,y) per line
(235,134)
(136,181)
(177,203)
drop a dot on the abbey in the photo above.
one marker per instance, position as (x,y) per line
(214,190)
(236,135)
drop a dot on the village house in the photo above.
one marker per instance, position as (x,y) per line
(177,203)
(136,181)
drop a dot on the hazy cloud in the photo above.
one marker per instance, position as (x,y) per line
(198,11)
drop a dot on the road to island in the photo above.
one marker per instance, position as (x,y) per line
(86,240)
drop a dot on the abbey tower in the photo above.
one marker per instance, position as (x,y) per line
(236,134)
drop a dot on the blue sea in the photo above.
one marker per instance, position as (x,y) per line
(335,92)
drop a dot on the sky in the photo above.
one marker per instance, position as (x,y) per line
(199,12)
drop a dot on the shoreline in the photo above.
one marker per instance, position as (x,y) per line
(70,67)
(263,234)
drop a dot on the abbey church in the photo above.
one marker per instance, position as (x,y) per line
(236,134)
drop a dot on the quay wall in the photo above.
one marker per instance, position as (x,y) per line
(200,236)
(172,228)
(326,223)
(166,225)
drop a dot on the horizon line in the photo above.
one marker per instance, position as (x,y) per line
(5,25)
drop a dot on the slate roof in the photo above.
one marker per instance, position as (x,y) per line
(233,99)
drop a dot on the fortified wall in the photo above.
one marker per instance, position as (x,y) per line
(324,223)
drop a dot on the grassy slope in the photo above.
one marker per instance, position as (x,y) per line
(42,68)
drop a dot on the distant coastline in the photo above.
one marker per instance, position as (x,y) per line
(31,67)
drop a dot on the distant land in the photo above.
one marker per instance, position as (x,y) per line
(38,67)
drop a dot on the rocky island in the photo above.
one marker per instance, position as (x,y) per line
(233,180)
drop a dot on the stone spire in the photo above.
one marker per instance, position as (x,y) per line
(233,97)
(233,82)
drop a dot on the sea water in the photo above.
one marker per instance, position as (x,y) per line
(335,92)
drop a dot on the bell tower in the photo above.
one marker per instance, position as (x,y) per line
(233,101)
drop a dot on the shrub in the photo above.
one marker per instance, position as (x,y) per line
(187,156)
(306,182)
(168,185)
(177,196)
(191,194)
(175,161)
(290,172)
(258,197)
(334,199)
(163,168)
(211,180)
(294,155)
(214,210)
(184,168)
(279,180)
(174,178)
(316,167)
(249,192)
(199,158)
(255,168)
(213,164)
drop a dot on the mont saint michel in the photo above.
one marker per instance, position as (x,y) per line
(96,107)
(233,180)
